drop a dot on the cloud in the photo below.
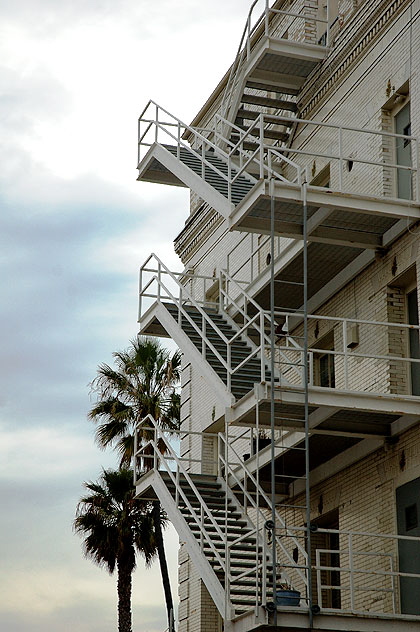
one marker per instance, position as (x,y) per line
(74,228)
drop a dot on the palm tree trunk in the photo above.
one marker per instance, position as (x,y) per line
(124,597)
(163,566)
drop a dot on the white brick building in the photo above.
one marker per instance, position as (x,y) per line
(298,317)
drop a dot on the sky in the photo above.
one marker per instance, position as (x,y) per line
(74,228)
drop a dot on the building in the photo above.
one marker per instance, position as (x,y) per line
(296,490)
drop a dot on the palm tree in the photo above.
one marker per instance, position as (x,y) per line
(115,526)
(143,382)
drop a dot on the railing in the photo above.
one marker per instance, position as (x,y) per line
(157,452)
(352,360)
(243,480)
(365,568)
(361,355)
(277,23)
(248,258)
(235,300)
(360,574)
(350,151)
(157,282)
(157,125)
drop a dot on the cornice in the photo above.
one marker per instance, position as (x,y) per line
(353,42)
(196,232)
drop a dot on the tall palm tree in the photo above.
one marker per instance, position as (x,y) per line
(143,382)
(115,526)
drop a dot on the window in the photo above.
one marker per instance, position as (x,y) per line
(414,342)
(402,124)
(323,362)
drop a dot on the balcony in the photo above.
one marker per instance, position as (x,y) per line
(356,367)
(352,207)
(360,578)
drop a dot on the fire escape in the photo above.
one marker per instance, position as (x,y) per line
(253,344)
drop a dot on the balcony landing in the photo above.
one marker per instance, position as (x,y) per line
(331,411)
(345,219)
(282,63)
(294,621)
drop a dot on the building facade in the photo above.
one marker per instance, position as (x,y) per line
(296,486)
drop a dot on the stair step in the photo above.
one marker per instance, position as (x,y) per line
(255,85)
(273,134)
(277,104)
(239,188)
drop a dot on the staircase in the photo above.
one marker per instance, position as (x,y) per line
(243,593)
(231,554)
(268,74)
(216,173)
(242,379)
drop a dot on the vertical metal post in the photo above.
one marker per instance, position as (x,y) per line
(305,368)
(262,346)
(229,179)
(272,403)
(252,256)
(266,19)
(351,567)
(346,359)
(159,280)
(155,440)
(135,454)
(327,39)
(178,144)
(248,39)
(262,146)
(340,159)
(140,293)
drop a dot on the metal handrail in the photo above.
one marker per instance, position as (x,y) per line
(232,473)
(200,144)
(185,296)
(160,458)
(249,38)
(257,321)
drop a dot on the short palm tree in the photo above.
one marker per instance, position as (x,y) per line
(143,382)
(115,526)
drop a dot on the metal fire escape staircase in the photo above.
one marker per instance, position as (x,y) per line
(223,163)
(230,552)
(267,75)
(231,355)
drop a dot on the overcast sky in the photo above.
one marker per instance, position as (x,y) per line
(75,226)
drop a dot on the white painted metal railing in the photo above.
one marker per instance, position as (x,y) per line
(158,453)
(353,342)
(248,258)
(354,349)
(157,282)
(350,150)
(364,564)
(276,23)
(241,478)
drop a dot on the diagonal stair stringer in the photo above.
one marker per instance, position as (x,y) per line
(154,480)
(158,312)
